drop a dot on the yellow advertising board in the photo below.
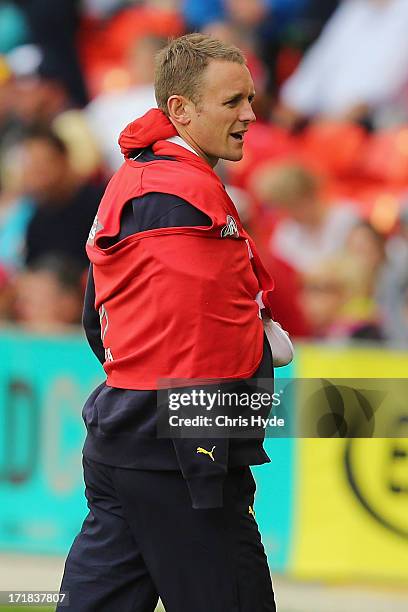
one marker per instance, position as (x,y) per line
(351,495)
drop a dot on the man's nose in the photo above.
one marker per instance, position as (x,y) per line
(247,115)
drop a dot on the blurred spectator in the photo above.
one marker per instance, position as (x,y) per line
(358,66)
(367,246)
(49,295)
(5,94)
(324,293)
(53,26)
(109,113)
(199,14)
(104,44)
(385,275)
(312,229)
(14,220)
(335,303)
(38,91)
(47,202)
(261,23)
(312,16)
(15,211)
(36,95)
(102,8)
(397,247)
(65,204)
(83,150)
(394,303)
(248,13)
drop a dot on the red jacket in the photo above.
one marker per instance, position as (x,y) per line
(175,303)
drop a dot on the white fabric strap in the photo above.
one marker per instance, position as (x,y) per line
(182,143)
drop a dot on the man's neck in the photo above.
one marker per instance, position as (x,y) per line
(190,144)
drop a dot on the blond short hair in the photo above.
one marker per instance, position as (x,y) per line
(180,65)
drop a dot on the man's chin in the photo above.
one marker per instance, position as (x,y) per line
(234,156)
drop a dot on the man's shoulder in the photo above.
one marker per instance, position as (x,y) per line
(172,177)
(176,174)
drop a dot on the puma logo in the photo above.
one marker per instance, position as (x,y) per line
(206,452)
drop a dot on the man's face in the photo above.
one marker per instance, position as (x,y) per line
(44,170)
(221,117)
(41,304)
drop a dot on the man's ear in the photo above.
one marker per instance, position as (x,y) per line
(179,110)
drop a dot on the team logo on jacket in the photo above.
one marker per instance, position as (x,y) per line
(96,226)
(104,324)
(103,321)
(230,229)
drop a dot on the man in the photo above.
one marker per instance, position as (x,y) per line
(65,204)
(175,279)
(319,224)
(49,295)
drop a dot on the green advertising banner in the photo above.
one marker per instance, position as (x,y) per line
(318,509)
(43,385)
(44,382)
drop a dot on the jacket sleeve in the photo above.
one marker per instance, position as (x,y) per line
(90,319)
(203,473)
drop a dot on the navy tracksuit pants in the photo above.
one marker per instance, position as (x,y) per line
(142,539)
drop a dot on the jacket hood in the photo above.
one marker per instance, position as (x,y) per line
(145,131)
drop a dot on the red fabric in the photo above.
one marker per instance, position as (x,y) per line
(284,303)
(175,303)
(143,132)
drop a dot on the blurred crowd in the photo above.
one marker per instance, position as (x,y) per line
(322,187)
